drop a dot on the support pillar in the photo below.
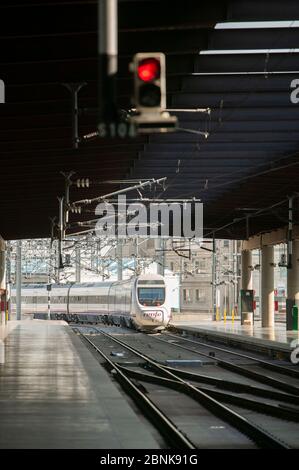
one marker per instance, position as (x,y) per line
(246,266)
(267,286)
(3,280)
(18,279)
(8,280)
(214,279)
(236,272)
(292,284)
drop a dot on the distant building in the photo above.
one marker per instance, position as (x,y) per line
(195,278)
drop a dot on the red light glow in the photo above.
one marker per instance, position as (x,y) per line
(149,69)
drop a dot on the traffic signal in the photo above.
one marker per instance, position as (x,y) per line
(149,82)
(149,96)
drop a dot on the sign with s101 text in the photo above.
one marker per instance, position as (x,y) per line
(119,130)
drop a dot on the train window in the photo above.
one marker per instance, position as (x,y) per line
(151,296)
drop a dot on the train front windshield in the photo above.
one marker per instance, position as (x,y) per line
(151,296)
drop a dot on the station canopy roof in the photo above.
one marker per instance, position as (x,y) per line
(238,58)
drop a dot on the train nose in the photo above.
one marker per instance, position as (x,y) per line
(153,316)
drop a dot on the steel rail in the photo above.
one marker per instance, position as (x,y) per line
(164,425)
(268,365)
(242,370)
(276,410)
(236,386)
(225,384)
(258,435)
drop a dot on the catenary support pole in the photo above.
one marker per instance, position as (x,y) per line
(119,253)
(49,287)
(78,263)
(160,247)
(292,268)
(19,279)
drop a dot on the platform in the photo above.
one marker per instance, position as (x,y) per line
(269,340)
(54,394)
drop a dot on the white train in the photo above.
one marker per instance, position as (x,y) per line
(139,302)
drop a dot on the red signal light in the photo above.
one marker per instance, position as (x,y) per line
(149,69)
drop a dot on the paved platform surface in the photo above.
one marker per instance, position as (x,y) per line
(54,394)
(276,338)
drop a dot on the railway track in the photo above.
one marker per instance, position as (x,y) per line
(241,370)
(223,383)
(285,370)
(170,432)
(210,399)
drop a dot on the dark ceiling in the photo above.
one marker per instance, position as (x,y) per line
(250,159)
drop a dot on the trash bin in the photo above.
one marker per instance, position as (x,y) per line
(247,310)
(247,318)
(295,317)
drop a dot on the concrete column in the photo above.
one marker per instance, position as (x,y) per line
(293,284)
(8,279)
(267,286)
(19,279)
(246,272)
(2,279)
(214,279)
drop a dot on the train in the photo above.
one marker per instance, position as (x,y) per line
(139,302)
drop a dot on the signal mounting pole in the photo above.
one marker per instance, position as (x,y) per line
(61,235)
(66,202)
(107,59)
